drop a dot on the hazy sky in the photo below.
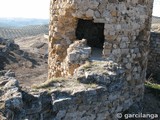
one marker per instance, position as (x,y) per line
(156,8)
(24,8)
(38,8)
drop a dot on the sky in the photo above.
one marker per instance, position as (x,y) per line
(156,8)
(39,8)
(25,8)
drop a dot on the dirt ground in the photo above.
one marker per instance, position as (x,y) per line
(31,67)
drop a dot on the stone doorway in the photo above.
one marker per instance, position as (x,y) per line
(94,33)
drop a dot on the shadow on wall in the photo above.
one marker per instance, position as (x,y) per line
(93,32)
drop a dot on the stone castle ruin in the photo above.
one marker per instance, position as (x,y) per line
(116,30)
(112,37)
(99,48)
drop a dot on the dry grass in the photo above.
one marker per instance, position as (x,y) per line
(64,84)
(49,83)
(152,85)
(87,65)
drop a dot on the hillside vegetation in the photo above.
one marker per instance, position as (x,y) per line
(155,20)
(16,32)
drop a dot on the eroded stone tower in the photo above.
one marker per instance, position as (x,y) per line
(121,28)
(102,44)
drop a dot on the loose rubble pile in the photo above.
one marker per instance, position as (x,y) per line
(77,54)
(10,52)
(100,72)
(6,46)
(11,98)
(40,48)
(16,104)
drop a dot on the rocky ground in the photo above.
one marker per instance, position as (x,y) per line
(28,61)
(155,27)
(155,24)
(27,57)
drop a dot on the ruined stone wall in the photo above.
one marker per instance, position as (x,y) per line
(99,89)
(126,31)
(122,69)
(70,102)
(154,56)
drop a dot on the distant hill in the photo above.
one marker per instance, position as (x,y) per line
(11,28)
(17,32)
(155,19)
(21,22)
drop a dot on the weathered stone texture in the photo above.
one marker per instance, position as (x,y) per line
(154,56)
(77,54)
(126,30)
(99,102)
(122,69)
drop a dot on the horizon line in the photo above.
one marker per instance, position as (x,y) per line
(22,18)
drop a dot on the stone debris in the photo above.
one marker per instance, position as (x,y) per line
(11,97)
(99,72)
(81,101)
(6,46)
(77,54)
(78,51)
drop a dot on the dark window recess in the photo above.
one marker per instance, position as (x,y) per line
(93,32)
